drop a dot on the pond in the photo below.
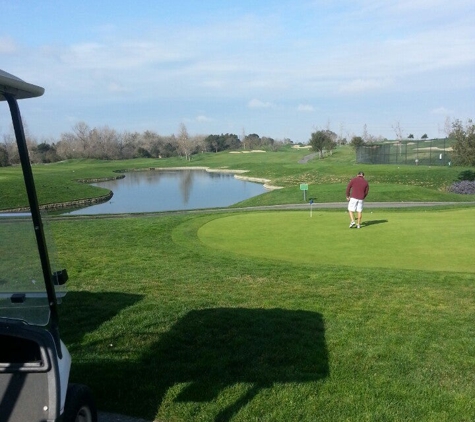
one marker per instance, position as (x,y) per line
(172,190)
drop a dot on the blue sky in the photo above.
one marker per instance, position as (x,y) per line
(276,68)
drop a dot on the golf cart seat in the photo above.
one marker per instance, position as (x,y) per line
(29,371)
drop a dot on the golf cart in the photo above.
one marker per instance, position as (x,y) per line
(34,362)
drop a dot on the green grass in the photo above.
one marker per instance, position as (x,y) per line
(167,319)
(326,178)
(265,316)
(389,239)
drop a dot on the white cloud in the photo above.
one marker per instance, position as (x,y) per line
(119,55)
(305,108)
(413,54)
(431,7)
(178,61)
(442,111)
(361,85)
(7,45)
(255,103)
(200,118)
(203,119)
(115,87)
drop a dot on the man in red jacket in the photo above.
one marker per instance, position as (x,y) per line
(356,192)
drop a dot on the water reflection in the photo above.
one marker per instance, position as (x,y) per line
(150,191)
(186,183)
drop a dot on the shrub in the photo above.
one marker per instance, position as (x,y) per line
(465,187)
(467,175)
(464,146)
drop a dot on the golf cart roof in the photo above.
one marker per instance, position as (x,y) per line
(17,87)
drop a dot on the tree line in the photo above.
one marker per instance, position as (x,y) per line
(105,143)
(108,144)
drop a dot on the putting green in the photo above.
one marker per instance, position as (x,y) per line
(431,240)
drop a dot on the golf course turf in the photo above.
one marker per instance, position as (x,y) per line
(168,320)
(421,240)
(227,315)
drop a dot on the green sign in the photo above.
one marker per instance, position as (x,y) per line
(303,186)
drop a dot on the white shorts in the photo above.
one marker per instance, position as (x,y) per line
(355,205)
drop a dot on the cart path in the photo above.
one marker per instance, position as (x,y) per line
(303,206)
(307,158)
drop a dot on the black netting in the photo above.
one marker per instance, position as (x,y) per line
(435,152)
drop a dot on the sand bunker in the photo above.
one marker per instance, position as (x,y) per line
(246,151)
(433,149)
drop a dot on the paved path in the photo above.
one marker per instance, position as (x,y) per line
(303,206)
(367,204)
(307,158)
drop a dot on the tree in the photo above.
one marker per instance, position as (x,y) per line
(104,143)
(464,147)
(184,143)
(448,126)
(424,136)
(331,146)
(129,142)
(151,141)
(321,140)
(267,142)
(44,153)
(357,141)
(82,133)
(332,143)
(398,131)
(3,157)
(232,141)
(10,146)
(252,141)
(411,136)
(341,139)
(366,136)
(214,143)
(217,143)
(142,153)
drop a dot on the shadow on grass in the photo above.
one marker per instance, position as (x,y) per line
(209,351)
(84,312)
(373,222)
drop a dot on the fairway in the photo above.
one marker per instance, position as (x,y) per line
(432,240)
(267,324)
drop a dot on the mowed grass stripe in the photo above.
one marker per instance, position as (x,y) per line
(425,240)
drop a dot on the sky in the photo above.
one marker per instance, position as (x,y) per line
(277,68)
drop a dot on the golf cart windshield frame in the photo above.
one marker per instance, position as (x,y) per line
(12,89)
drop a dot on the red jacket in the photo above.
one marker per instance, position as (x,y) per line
(358,188)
